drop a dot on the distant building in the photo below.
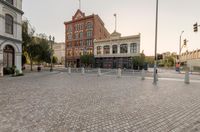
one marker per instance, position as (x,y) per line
(10,34)
(80,33)
(116,51)
(59,52)
(191,59)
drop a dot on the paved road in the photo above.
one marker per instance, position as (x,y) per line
(58,102)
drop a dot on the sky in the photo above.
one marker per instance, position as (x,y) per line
(133,17)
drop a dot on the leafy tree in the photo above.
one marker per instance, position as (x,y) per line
(138,61)
(36,48)
(87,59)
(55,60)
(27,38)
(149,60)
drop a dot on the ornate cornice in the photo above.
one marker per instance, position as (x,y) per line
(11,6)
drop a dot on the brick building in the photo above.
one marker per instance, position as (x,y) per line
(80,33)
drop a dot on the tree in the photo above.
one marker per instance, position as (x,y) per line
(36,48)
(149,60)
(87,59)
(27,38)
(55,60)
(138,61)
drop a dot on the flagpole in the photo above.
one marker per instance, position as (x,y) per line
(79,4)
(115,15)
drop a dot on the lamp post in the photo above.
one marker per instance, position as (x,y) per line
(156,40)
(180,44)
(51,40)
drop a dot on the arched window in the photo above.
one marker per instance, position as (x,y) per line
(8,56)
(9,24)
(123,48)
(106,49)
(10,1)
(114,48)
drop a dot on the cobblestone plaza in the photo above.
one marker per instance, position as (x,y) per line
(58,102)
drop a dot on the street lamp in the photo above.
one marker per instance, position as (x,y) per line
(51,40)
(156,40)
(180,44)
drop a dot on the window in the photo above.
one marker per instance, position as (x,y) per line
(90,51)
(76,27)
(89,34)
(98,50)
(106,49)
(81,43)
(10,1)
(89,25)
(69,45)
(82,26)
(76,36)
(69,37)
(133,48)
(9,24)
(123,48)
(69,53)
(77,43)
(88,42)
(69,28)
(114,48)
(81,35)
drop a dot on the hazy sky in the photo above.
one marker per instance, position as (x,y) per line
(134,16)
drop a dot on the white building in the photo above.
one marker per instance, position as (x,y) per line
(191,59)
(59,52)
(116,51)
(10,34)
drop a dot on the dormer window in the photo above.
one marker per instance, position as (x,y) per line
(10,1)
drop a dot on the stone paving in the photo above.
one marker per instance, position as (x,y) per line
(58,102)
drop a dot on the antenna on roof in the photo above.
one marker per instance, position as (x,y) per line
(115,15)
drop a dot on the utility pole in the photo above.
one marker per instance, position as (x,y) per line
(180,45)
(156,40)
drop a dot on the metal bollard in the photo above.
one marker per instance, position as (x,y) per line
(187,77)
(119,73)
(99,72)
(143,74)
(69,70)
(82,70)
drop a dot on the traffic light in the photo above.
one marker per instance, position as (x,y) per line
(160,56)
(195,26)
(185,42)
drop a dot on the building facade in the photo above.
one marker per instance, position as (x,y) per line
(10,34)
(80,34)
(116,51)
(59,52)
(191,59)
